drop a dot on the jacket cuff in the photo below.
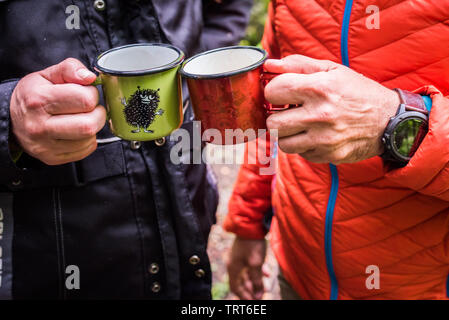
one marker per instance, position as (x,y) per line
(7,165)
(245,229)
(423,170)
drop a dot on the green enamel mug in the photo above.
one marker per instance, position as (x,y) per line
(142,90)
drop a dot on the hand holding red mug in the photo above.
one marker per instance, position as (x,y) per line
(342,115)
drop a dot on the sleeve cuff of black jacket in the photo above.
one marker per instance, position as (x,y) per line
(8,170)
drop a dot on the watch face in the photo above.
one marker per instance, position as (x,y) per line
(407,136)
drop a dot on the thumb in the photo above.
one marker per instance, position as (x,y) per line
(297,63)
(69,71)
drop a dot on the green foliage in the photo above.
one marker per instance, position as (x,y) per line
(220,290)
(256,25)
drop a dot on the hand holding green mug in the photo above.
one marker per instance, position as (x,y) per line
(55,114)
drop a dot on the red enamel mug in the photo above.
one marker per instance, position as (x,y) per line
(226,87)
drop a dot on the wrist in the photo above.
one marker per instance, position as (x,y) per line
(391,106)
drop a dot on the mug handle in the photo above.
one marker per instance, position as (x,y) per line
(265,78)
(98,82)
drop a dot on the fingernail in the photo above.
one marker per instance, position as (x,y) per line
(275,62)
(84,74)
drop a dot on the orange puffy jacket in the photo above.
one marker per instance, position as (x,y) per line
(332,224)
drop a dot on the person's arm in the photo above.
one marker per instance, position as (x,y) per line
(250,201)
(339,124)
(269,42)
(225,22)
(251,197)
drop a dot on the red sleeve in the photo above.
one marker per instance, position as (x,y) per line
(269,42)
(428,170)
(251,197)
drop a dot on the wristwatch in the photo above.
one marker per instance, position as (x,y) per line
(407,129)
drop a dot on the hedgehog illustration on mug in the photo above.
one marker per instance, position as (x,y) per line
(142,108)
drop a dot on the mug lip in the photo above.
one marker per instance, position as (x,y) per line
(165,67)
(223,74)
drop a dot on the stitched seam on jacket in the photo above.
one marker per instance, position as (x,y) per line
(412,71)
(400,39)
(403,259)
(91,27)
(317,238)
(382,10)
(395,234)
(445,167)
(310,33)
(391,292)
(377,209)
(320,5)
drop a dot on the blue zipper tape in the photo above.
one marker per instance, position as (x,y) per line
(344,33)
(328,232)
(334,172)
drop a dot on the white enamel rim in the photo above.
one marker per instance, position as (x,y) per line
(172,58)
(253,58)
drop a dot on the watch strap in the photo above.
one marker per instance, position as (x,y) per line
(412,101)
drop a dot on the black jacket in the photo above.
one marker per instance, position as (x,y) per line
(129,219)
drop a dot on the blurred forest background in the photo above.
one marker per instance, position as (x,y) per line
(221,241)
(254,31)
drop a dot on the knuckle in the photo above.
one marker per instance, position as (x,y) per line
(282,83)
(33,100)
(34,129)
(69,62)
(328,63)
(88,128)
(273,122)
(67,66)
(88,101)
(292,85)
(325,114)
(329,140)
(269,93)
(327,83)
